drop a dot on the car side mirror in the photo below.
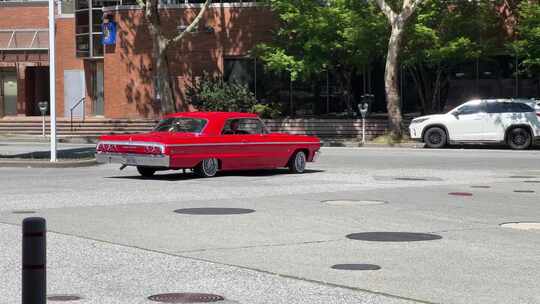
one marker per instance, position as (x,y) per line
(456,114)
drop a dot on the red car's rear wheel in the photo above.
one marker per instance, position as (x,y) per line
(146,171)
(207,168)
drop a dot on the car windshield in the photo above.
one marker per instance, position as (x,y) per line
(180,124)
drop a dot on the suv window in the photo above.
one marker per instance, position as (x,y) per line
(243,126)
(468,109)
(508,107)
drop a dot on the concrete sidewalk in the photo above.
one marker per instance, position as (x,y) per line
(25,152)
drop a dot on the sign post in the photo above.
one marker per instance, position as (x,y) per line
(52,79)
(43,105)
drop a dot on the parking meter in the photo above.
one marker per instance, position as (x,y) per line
(43,107)
(363,108)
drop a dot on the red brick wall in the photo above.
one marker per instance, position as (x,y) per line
(128,90)
(22,16)
(65,58)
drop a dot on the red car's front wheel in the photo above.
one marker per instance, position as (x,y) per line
(297,164)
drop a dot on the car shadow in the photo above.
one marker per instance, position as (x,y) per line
(192,176)
(488,147)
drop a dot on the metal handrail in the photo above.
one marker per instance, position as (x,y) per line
(73,108)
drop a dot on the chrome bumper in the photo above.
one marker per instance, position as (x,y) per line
(133,159)
(316,156)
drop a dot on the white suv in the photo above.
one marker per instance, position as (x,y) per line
(512,121)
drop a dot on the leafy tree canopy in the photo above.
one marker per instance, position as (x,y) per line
(527,45)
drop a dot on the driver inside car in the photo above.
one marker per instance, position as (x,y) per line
(233,128)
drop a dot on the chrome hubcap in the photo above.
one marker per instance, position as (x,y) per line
(210,166)
(300,161)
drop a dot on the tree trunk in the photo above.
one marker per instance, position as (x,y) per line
(391,83)
(163,91)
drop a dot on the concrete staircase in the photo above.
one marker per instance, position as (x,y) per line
(91,127)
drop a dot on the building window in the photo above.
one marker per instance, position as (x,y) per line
(67,7)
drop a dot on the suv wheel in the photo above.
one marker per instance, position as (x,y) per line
(435,137)
(519,138)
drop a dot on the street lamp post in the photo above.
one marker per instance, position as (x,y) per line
(52,79)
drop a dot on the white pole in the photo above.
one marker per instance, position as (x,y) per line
(52,79)
(363,131)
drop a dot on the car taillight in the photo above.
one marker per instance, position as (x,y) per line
(106,148)
(153,150)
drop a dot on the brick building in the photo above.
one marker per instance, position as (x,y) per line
(114,81)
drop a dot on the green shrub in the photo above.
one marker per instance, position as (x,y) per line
(267,110)
(213,94)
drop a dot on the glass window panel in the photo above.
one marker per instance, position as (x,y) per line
(82,22)
(98,46)
(83,46)
(81,4)
(97,20)
(67,7)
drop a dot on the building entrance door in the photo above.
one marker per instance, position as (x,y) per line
(97,85)
(8,92)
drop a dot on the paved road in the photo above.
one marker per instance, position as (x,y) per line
(115,238)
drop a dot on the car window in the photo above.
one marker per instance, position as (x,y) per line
(241,126)
(508,107)
(468,109)
(180,124)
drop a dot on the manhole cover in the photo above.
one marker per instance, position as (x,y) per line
(393,236)
(356,267)
(460,193)
(532,181)
(481,187)
(23,212)
(523,191)
(186,298)
(63,298)
(354,202)
(214,211)
(410,179)
(522,225)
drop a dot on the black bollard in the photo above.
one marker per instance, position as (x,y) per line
(34,288)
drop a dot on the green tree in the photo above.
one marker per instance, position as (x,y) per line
(527,44)
(334,35)
(445,35)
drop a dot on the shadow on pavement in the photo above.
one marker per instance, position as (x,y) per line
(191,176)
(74,153)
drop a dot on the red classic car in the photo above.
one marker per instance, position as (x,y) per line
(208,142)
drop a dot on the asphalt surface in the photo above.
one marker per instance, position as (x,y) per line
(114,238)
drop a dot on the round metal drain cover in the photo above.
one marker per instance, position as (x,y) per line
(23,212)
(63,298)
(186,298)
(522,225)
(481,187)
(356,267)
(393,236)
(214,211)
(460,193)
(353,202)
(410,178)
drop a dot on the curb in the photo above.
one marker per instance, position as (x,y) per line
(19,163)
